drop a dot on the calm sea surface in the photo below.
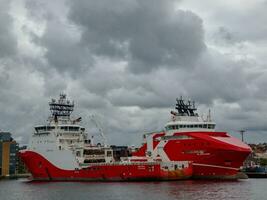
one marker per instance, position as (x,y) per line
(22,189)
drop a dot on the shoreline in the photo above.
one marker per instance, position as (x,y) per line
(15,176)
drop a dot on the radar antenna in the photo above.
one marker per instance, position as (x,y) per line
(184,108)
(61,107)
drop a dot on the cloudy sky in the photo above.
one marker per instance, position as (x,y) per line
(127,60)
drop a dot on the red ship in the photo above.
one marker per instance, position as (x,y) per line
(189,147)
(215,155)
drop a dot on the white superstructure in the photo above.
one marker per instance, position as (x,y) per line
(63,141)
(186,120)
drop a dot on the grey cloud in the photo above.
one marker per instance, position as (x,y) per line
(8,43)
(224,36)
(218,79)
(60,40)
(259,89)
(62,51)
(20,99)
(34,9)
(147,34)
(4,76)
(248,21)
(127,61)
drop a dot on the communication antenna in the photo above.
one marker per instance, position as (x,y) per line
(209,116)
(185,108)
(93,119)
(242,134)
(61,107)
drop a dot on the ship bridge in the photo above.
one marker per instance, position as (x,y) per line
(185,118)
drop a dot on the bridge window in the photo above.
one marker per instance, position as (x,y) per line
(69,128)
(39,129)
(73,128)
(44,128)
(93,151)
(65,128)
(49,128)
(170,127)
(109,154)
(212,126)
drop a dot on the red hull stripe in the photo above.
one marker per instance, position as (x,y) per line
(216,166)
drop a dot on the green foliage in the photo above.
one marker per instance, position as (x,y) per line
(263,161)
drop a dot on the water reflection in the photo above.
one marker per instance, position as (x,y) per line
(209,190)
(197,190)
(190,190)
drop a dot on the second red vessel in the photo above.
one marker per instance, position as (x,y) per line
(215,155)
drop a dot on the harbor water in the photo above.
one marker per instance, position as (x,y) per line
(248,189)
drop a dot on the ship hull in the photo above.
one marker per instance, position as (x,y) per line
(223,164)
(204,171)
(43,170)
(215,155)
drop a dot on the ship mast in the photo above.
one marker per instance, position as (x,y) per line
(184,108)
(61,107)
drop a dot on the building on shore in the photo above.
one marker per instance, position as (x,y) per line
(8,154)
